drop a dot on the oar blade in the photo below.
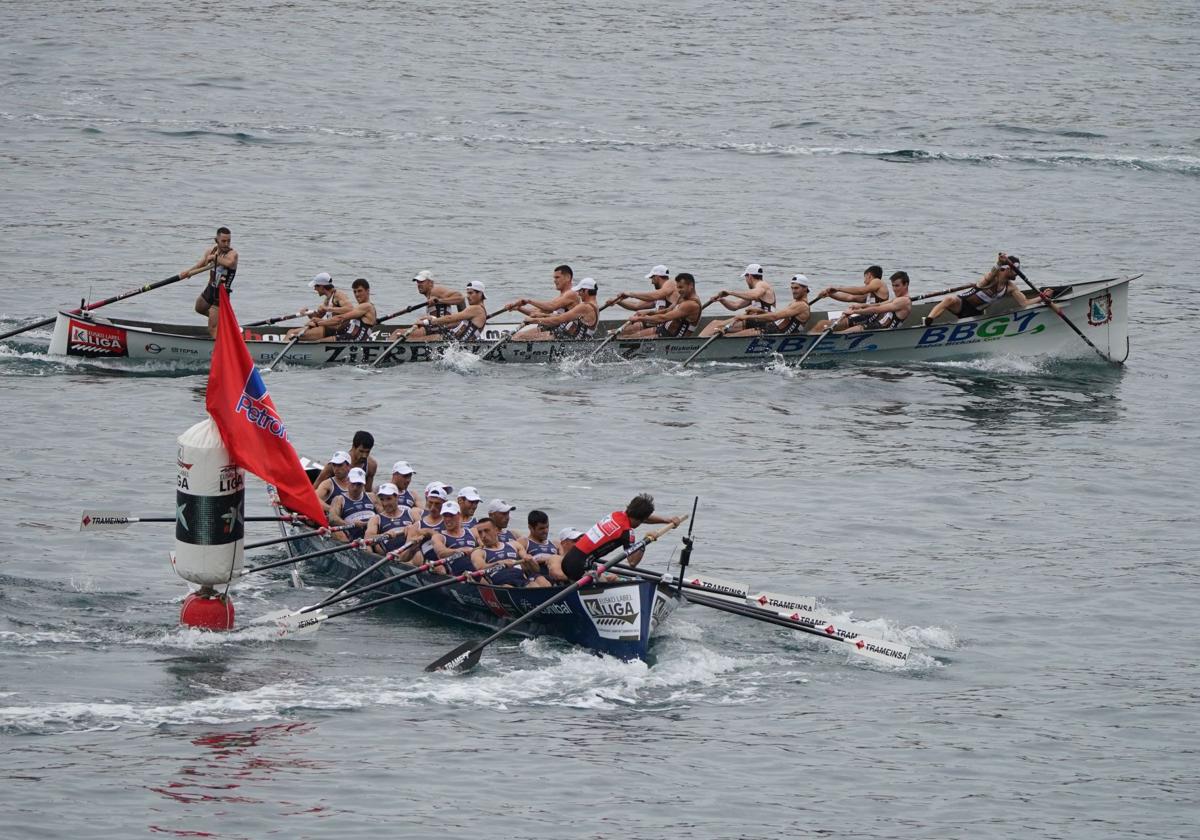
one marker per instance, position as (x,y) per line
(287,624)
(892,654)
(463,658)
(102,520)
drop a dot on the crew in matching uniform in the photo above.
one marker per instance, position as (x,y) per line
(999,282)
(787,320)
(354,508)
(541,548)
(613,532)
(499,513)
(390,518)
(872,291)
(439,302)
(468,503)
(336,484)
(402,475)
(333,299)
(759,297)
(888,315)
(576,323)
(466,325)
(359,454)
(431,519)
(662,296)
(567,297)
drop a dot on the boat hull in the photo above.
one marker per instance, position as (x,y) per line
(1099,308)
(618,619)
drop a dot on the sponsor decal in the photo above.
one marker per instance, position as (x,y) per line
(662,609)
(105,520)
(257,409)
(722,588)
(1100,309)
(615,613)
(783,603)
(231,479)
(154,348)
(793,344)
(883,651)
(95,340)
(187,351)
(972,332)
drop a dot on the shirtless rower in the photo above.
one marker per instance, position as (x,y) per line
(439,300)
(564,279)
(468,501)
(452,538)
(888,315)
(662,296)
(575,324)
(225,262)
(465,325)
(758,297)
(335,482)
(402,476)
(872,291)
(332,297)
(997,283)
(676,321)
(541,548)
(787,320)
(354,508)
(611,533)
(359,455)
(351,321)
(390,518)
(517,569)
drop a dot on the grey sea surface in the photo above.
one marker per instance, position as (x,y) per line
(1028,527)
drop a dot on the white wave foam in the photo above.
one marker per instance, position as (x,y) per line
(459,359)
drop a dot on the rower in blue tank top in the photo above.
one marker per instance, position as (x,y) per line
(453,539)
(541,548)
(338,483)
(356,508)
(389,519)
(510,555)
(431,519)
(402,475)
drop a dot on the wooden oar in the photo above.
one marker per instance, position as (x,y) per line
(100,520)
(866,646)
(466,655)
(509,308)
(403,311)
(387,558)
(319,532)
(277,319)
(1057,310)
(282,353)
(820,338)
(174,278)
(403,337)
(703,346)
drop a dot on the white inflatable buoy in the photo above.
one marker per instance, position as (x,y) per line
(209,518)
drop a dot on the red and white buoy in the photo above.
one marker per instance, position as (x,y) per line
(209,524)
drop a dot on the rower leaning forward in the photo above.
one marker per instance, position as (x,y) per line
(611,533)
(224,262)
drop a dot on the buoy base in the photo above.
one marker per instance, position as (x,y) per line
(205,609)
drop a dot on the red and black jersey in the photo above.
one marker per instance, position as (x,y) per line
(609,534)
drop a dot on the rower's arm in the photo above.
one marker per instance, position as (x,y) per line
(372,528)
(563,300)
(662,316)
(335,512)
(326,472)
(201,263)
(665,293)
(440,548)
(634,304)
(228,259)
(562,318)
(454,317)
(731,301)
(1020,298)
(478,559)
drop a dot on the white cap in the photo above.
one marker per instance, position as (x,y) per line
(753,269)
(500,506)
(322,279)
(357,476)
(387,489)
(800,280)
(475,286)
(586,283)
(450,508)
(437,490)
(403,468)
(658,271)
(340,458)
(424,274)
(569,534)
(470,494)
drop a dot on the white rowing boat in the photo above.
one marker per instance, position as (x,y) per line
(1099,308)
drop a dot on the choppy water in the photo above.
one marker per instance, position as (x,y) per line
(1028,528)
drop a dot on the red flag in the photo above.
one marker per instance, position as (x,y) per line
(251,428)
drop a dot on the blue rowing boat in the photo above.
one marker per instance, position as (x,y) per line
(618,619)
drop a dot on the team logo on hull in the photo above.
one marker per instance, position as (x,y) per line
(1100,309)
(95,340)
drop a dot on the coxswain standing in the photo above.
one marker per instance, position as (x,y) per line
(787,320)
(466,325)
(676,321)
(1001,280)
(355,508)
(575,324)
(506,562)
(224,269)
(359,455)
(611,533)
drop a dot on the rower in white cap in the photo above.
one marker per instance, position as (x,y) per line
(663,295)
(787,320)
(759,297)
(439,300)
(336,484)
(332,298)
(391,518)
(466,325)
(354,508)
(577,323)
(468,501)
(452,538)
(500,512)
(402,475)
